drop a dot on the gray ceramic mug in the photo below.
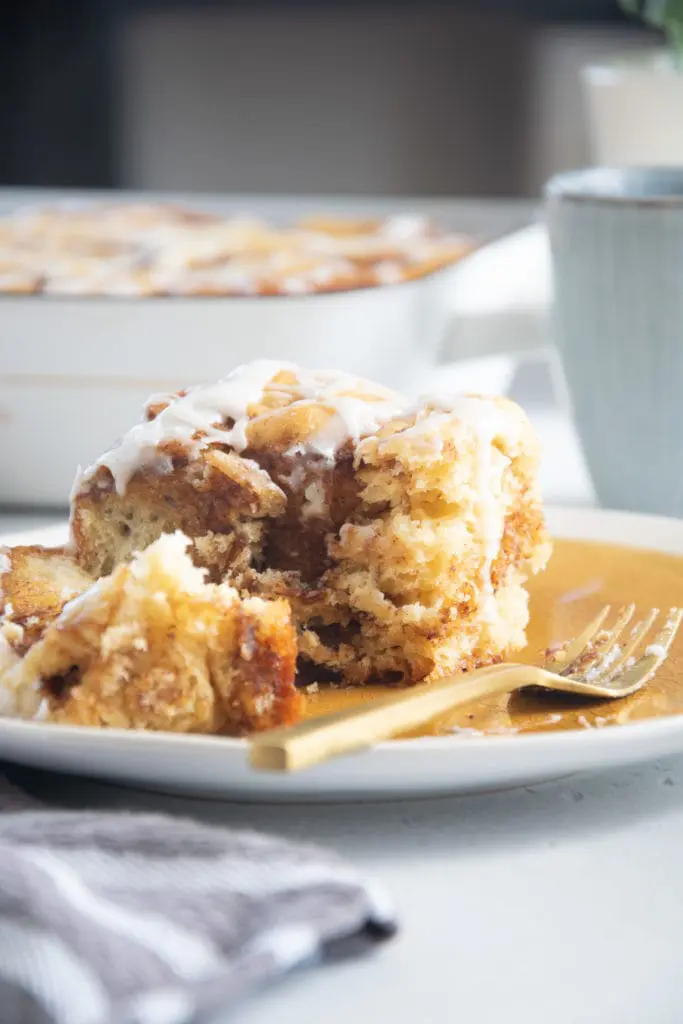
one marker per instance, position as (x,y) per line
(617,246)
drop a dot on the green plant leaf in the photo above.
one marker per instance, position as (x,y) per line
(666,15)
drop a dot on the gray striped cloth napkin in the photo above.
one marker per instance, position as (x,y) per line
(117,918)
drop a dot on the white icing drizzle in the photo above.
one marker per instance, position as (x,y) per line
(201,409)
(358,409)
(353,418)
(404,226)
(76,485)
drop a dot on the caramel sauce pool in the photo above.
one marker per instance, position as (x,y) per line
(581,578)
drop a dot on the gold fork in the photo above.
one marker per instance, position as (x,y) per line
(594,664)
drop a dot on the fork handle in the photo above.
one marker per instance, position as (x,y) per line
(319,739)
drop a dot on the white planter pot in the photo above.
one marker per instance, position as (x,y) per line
(635,111)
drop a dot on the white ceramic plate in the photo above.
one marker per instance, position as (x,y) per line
(217,767)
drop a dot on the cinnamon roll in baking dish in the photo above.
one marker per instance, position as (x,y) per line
(149,250)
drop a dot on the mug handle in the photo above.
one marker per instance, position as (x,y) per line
(499,312)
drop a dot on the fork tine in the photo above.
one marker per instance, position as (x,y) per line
(655,653)
(599,657)
(638,634)
(575,647)
(625,616)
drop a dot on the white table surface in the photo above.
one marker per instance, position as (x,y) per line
(559,903)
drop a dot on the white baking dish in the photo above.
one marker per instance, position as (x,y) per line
(75,372)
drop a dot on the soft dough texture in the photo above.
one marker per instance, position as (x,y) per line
(153,646)
(402,534)
(35,584)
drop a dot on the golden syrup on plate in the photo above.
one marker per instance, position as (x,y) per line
(581,578)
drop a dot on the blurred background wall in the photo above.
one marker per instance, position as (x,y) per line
(478,98)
